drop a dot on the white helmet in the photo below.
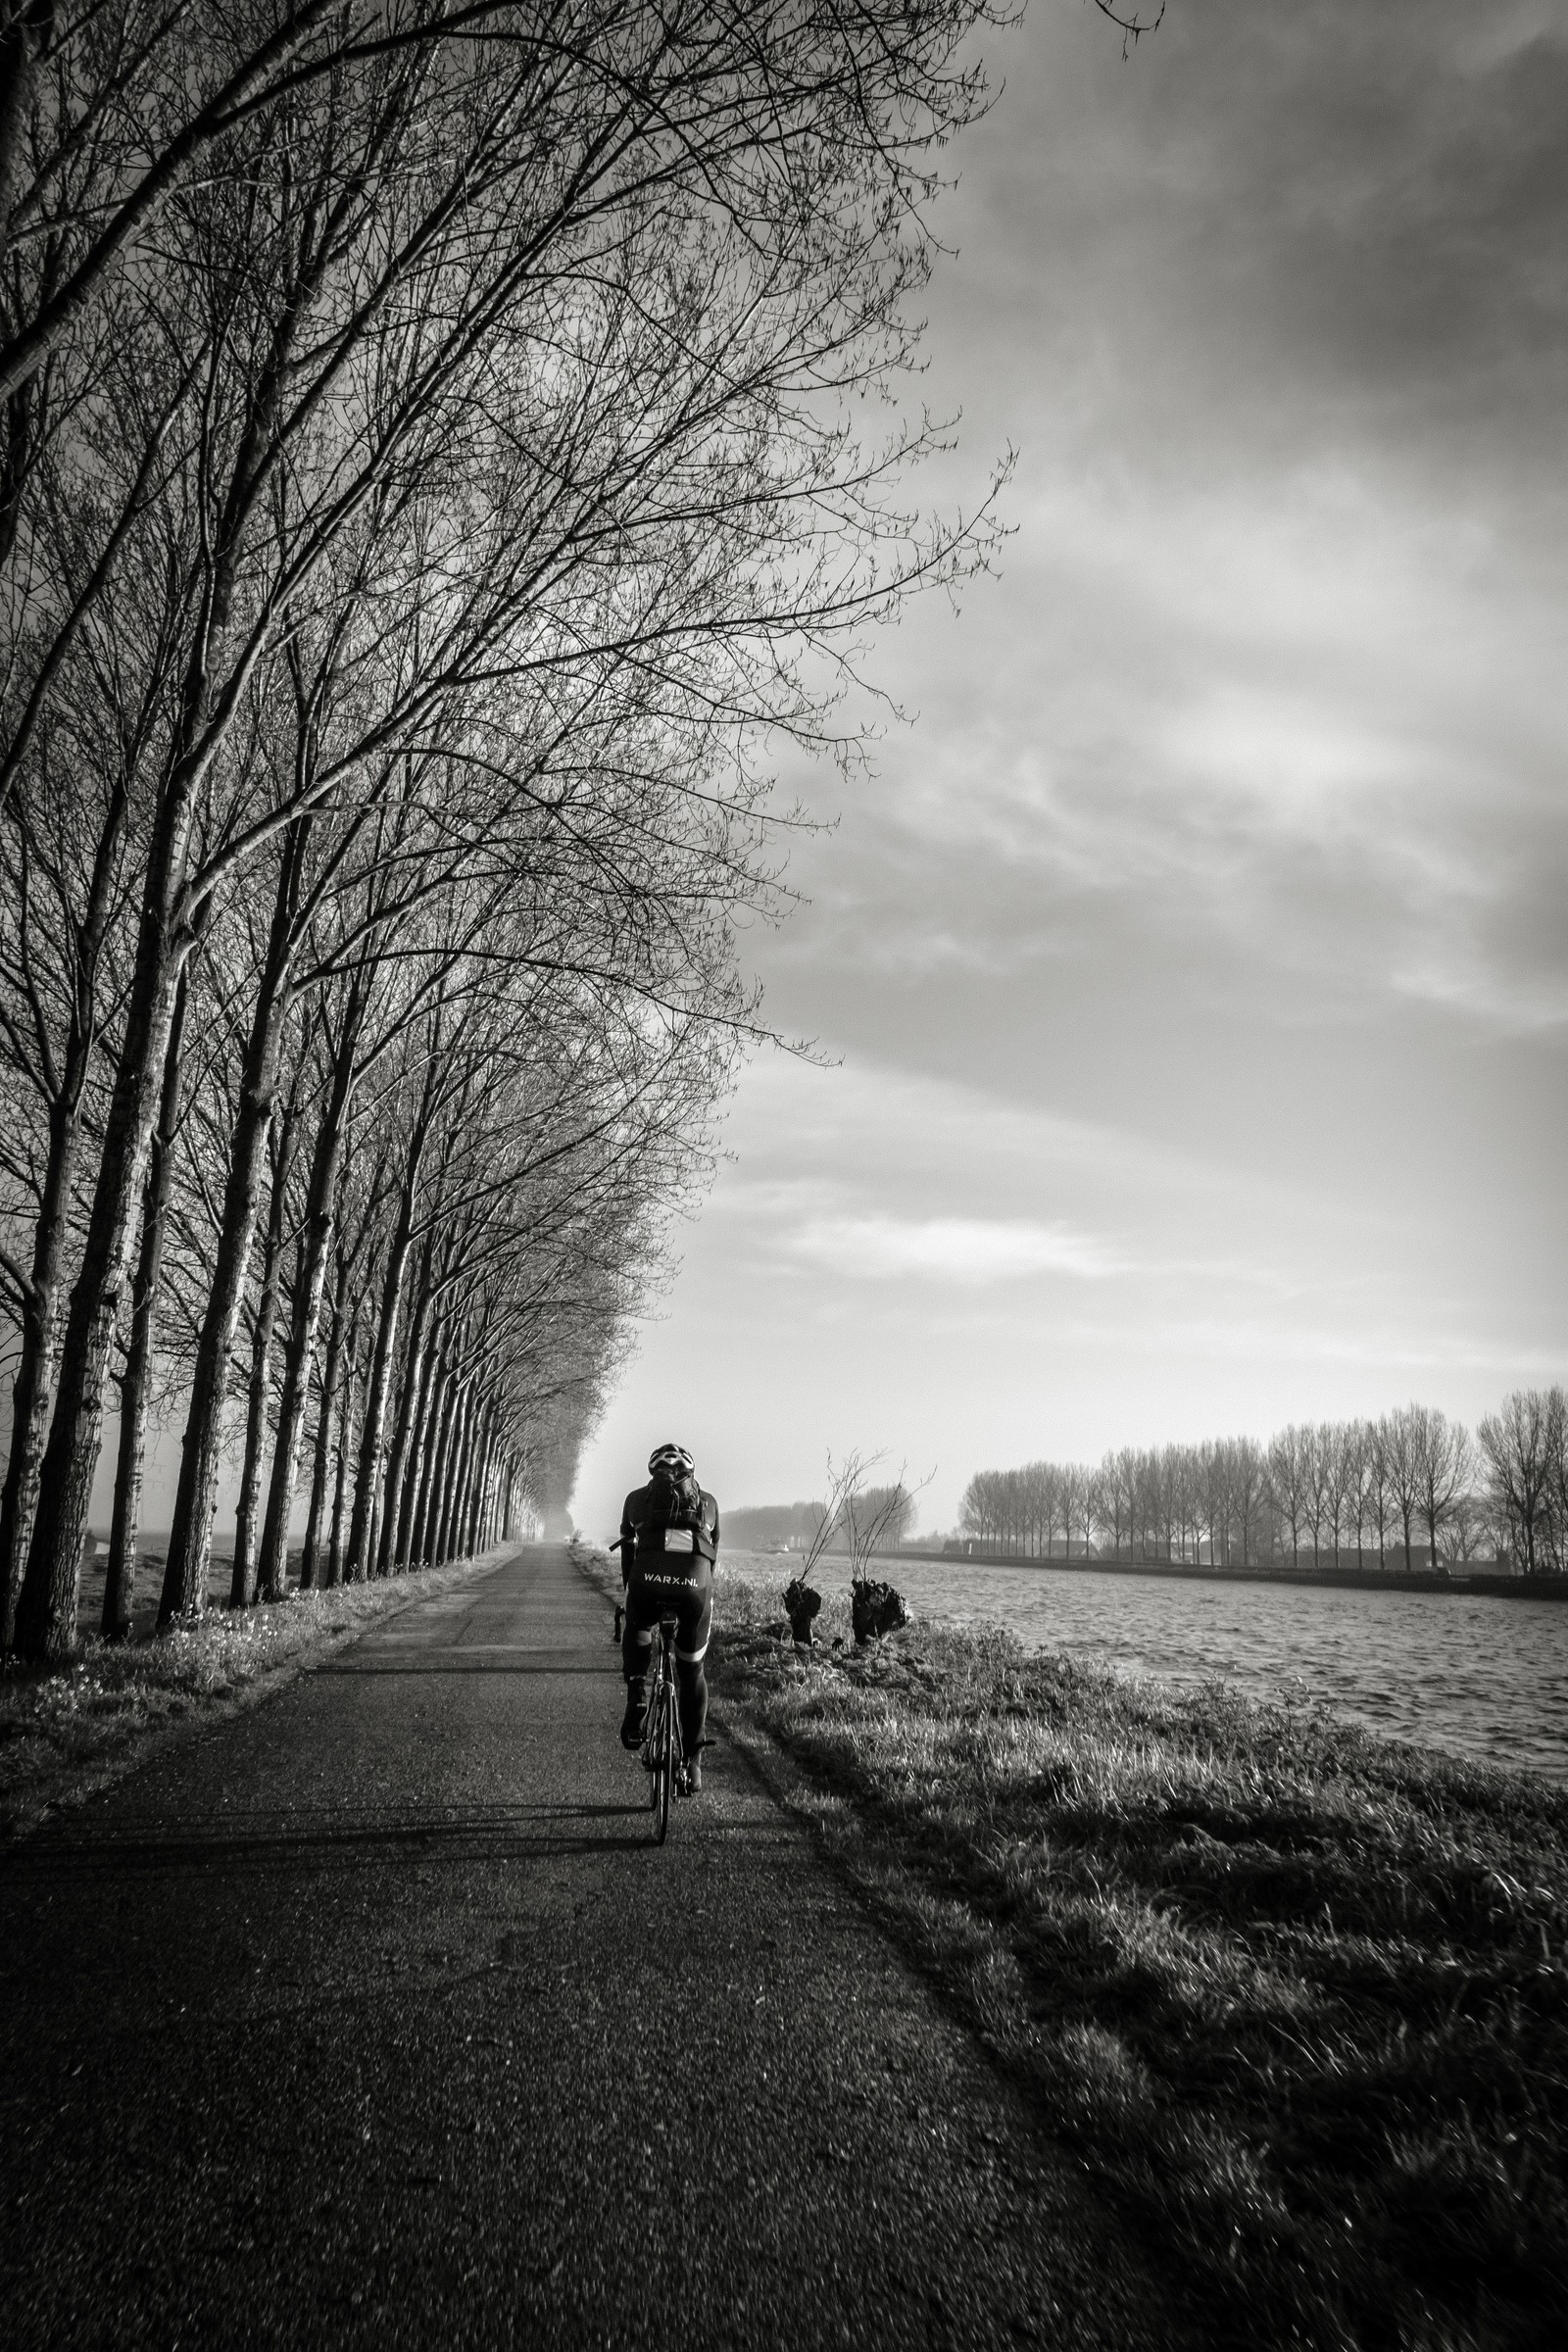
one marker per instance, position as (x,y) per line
(673,1458)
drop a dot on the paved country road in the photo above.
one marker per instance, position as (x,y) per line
(374,2017)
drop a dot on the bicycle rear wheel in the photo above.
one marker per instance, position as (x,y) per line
(654,1746)
(665,1769)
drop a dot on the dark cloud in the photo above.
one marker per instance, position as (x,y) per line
(1206,929)
(1280,214)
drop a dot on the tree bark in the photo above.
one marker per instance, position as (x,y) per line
(345,1447)
(452,1482)
(327,1397)
(418,1449)
(120,1582)
(462,1520)
(481,1483)
(321,1217)
(368,1486)
(30,1390)
(422,1547)
(32,1386)
(470,1449)
(185,1570)
(409,1395)
(469,1535)
(26,29)
(356,1561)
(242,1582)
(487,1511)
(46,1614)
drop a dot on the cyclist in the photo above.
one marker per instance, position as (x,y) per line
(668,1544)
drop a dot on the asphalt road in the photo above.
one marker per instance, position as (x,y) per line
(374,2016)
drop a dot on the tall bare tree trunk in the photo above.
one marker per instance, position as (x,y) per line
(367,1485)
(372,1536)
(46,1615)
(35,1379)
(422,1544)
(368,1479)
(327,1405)
(469,1523)
(486,1490)
(453,1480)
(498,1497)
(25,29)
(456,1547)
(242,1582)
(411,1386)
(458,1533)
(32,1385)
(120,1581)
(185,1570)
(481,1482)
(418,1454)
(345,1449)
(310,1281)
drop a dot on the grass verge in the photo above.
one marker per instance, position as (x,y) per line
(1296,1995)
(66,1731)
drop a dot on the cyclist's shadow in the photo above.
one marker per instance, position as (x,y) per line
(598,1828)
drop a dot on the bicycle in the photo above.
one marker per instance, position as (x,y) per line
(662,1752)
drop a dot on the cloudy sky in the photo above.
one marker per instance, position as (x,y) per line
(1195,967)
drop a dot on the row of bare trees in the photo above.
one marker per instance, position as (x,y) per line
(1345,1493)
(889,1511)
(432,472)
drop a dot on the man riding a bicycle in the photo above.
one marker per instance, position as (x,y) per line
(668,1544)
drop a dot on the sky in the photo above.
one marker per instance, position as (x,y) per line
(1190,978)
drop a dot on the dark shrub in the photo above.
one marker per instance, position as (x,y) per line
(800,1605)
(875,1609)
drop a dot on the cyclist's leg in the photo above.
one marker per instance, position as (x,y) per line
(636,1658)
(691,1648)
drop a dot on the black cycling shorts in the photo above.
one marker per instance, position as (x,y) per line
(670,1586)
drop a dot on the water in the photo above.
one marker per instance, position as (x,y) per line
(1467,1672)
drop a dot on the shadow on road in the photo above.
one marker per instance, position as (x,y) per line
(529,1663)
(526,1833)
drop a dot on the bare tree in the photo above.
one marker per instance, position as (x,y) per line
(1444,1461)
(876,1518)
(1520,1444)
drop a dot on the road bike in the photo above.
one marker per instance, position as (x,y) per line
(662,1753)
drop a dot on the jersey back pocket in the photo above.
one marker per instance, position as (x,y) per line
(679,1538)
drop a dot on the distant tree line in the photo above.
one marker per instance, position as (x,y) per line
(1343,1493)
(429,472)
(796,1526)
(766,1527)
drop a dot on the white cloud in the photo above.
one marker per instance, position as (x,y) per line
(1517,1006)
(964,1249)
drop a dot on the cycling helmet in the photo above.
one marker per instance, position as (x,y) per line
(673,1458)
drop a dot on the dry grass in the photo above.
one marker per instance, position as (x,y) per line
(1296,1994)
(65,1730)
